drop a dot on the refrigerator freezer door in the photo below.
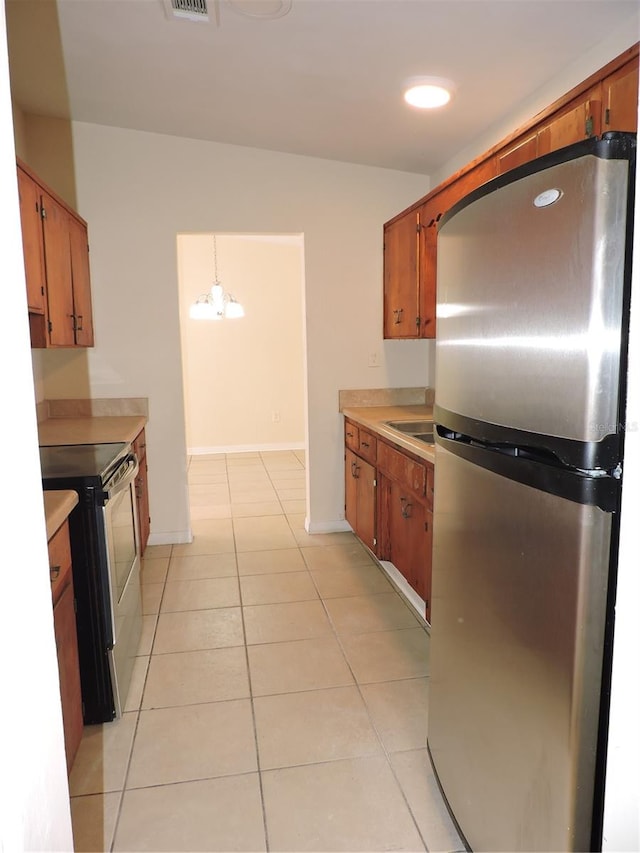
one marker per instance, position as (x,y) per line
(519,599)
(530,296)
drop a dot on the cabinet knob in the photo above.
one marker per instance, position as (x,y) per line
(398,312)
(405,508)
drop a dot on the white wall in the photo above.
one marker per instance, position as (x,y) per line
(34,795)
(244,378)
(139,190)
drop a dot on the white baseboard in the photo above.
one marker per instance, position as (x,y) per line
(245,448)
(171,537)
(327,526)
(408,592)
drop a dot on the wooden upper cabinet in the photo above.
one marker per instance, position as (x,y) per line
(81,282)
(428,218)
(620,99)
(401,300)
(33,248)
(522,151)
(606,101)
(610,103)
(58,267)
(56,258)
(579,120)
(473,178)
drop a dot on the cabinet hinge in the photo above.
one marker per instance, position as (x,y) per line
(375,541)
(43,212)
(50,324)
(418,226)
(375,483)
(418,320)
(607,116)
(42,289)
(588,127)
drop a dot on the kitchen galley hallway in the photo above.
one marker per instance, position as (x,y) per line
(279,700)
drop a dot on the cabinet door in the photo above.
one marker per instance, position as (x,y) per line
(472,179)
(520,152)
(81,282)
(401,303)
(32,241)
(620,99)
(351,490)
(580,120)
(366,487)
(64,617)
(360,498)
(58,269)
(410,536)
(428,217)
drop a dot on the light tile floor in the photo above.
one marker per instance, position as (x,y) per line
(279,699)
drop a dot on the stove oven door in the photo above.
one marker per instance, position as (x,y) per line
(123,553)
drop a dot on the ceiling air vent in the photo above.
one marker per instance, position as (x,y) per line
(189,10)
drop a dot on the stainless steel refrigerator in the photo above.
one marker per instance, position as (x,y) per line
(533,301)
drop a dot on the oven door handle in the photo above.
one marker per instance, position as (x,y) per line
(127,472)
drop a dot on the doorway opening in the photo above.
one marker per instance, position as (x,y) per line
(244,378)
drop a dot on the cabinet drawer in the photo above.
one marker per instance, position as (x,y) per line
(352,436)
(59,560)
(397,466)
(367,445)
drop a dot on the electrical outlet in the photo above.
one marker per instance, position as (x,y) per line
(374,359)
(275,417)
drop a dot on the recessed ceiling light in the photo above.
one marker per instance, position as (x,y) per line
(428,92)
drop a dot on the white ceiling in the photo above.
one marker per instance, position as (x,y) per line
(325,80)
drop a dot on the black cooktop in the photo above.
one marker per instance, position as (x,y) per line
(80,461)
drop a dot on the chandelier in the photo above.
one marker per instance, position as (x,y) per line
(217,304)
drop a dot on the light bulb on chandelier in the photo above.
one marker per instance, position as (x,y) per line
(217,304)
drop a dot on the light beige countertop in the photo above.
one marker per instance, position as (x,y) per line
(373,418)
(57,506)
(90,430)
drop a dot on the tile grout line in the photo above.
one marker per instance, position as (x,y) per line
(253,710)
(139,711)
(385,752)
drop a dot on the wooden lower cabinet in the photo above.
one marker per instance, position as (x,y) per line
(64,622)
(389,503)
(360,498)
(406,536)
(142,490)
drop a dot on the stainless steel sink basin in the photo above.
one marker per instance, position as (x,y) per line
(422,430)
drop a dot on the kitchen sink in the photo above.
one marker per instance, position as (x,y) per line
(422,430)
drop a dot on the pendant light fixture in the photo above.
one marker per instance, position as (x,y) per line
(217,304)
